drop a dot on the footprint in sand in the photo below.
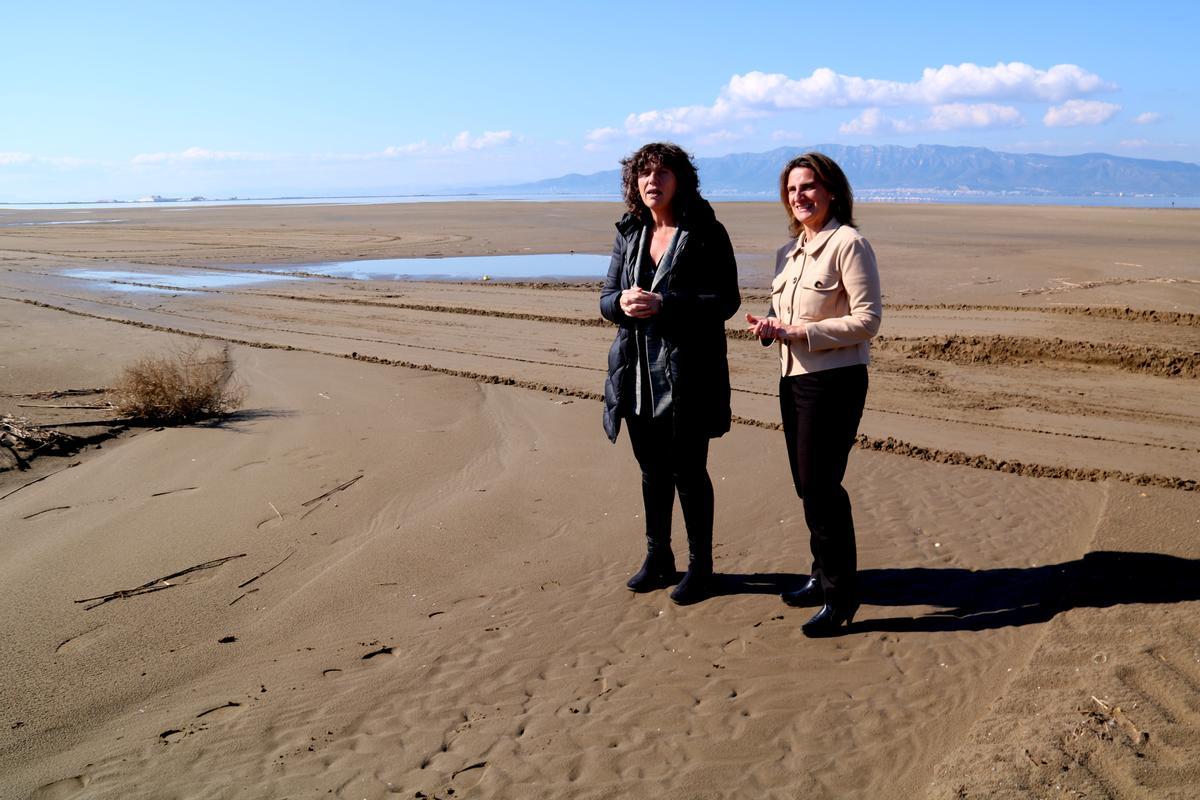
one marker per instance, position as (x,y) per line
(82,641)
(64,789)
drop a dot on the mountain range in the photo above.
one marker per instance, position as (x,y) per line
(928,168)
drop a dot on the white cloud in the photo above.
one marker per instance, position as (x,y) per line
(781,135)
(485,141)
(757,93)
(599,138)
(603,134)
(947,117)
(1135,143)
(1147,118)
(61,162)
(682,120)
(197,155)
(872,121)
(461,143)
(1014,81)
(413,148)
(957,116)
(1079,112)
(67,162)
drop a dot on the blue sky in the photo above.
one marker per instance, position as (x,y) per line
(126,99)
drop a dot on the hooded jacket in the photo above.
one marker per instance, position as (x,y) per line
(699,292)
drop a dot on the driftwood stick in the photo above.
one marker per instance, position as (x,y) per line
(100,407)
(45,511)
(334,490)
(156,585)
(264,572)
(243,594)
(56,393)
(52,426)
(39,480)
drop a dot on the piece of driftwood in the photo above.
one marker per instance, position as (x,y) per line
(45,511)
(243,594)
(57,393)
(39,480)
(86,423)
(173,491)
(265,571)
(332,491)
(100,407)
(476,765)
(156,585)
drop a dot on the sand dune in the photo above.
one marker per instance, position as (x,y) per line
(398,569)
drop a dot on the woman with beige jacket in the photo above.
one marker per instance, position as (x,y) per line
(825,307)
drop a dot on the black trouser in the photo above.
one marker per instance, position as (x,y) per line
(671,462)
(821,411)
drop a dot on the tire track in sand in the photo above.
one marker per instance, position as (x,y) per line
(886,445)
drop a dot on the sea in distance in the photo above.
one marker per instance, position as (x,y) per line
(867,196)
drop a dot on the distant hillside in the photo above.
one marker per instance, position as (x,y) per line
(931,167)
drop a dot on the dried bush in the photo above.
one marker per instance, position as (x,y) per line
(188,385)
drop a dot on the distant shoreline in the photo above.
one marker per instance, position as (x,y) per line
(902,196)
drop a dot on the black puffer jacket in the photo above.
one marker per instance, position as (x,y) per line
(699,293)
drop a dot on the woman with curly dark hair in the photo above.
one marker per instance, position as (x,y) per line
(671,285)
(826,305)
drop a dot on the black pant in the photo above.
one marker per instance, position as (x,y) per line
(821,411)
(671,462)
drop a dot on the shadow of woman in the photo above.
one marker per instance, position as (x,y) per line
(974,600)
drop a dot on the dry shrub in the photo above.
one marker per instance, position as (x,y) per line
(190,384)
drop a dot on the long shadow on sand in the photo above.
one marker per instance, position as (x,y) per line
(234,420)
(973,600)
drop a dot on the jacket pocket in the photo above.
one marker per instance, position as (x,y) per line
(821,281)
(820,293)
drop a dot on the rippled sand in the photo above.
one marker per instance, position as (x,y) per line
(442,530)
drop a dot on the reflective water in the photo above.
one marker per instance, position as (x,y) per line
(556,265)
(123,280)
(476,268)
(59,222)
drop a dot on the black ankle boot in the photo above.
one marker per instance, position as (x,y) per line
(829,619)
(657,572)
(810,594)
(695,586)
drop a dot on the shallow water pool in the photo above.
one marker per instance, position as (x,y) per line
(554,265)
(124,280)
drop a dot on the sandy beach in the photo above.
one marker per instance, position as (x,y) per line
(401,563)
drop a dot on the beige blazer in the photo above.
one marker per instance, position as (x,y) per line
(829,284)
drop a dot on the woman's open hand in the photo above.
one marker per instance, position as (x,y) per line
(640,304)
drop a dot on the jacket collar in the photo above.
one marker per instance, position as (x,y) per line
(813,246)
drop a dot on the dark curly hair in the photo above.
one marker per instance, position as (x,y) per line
(660,154)
(829,175)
